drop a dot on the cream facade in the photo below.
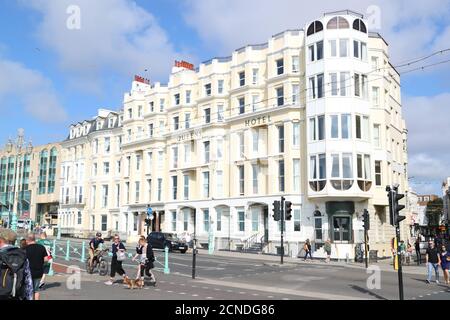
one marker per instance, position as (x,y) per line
(90,173)
(313,115)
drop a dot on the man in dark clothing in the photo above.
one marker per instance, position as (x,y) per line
(417,247)
(433,261)
(37,256)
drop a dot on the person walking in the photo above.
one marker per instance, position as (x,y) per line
(118,255)
(433,261)
(307,248)
(22,288)
(327,248)
(37,256)
(445,263)
(409,250)
(140,255)
(149,264)
(47,245)
(417,248)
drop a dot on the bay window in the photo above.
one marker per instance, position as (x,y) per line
(363,172)
(317,172)
(341,171)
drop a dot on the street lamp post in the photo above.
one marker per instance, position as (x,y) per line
(17,148)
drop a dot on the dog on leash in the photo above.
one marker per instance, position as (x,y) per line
(134,283)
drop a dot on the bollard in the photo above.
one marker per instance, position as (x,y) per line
(54,249)
(68,250)
(50,271)
(166,260)
(346,258)
(83,249)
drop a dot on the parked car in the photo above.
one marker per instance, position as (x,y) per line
(24,224)
(160,240)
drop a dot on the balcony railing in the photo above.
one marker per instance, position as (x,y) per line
(73,201)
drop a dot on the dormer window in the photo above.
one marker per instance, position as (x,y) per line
(338,23)
(359,25)
(99,125)
(111,123)
(314,27)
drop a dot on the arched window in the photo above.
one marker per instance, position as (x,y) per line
(359,25)
(338,23)
(314,27)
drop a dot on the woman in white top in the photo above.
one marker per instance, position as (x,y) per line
(141,255)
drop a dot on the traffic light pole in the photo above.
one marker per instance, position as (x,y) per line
(400,274)
(365,248)
(282,209)
(194,246)
(394,209)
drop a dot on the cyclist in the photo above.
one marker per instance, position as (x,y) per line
(93,247)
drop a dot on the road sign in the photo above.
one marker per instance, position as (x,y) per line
(149,211)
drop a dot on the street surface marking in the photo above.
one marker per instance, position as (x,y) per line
(310,294)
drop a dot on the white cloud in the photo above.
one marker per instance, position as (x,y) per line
(34,92)
(117,37)
(230,24)
(428,122)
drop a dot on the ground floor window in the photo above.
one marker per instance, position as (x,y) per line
(255,220)
(135,221)
(79,217)
(342,228)
(241,221)
(104,222)
(206,220)
(219,219)
(174,221)
(186,220)
(93,223)
(297,220)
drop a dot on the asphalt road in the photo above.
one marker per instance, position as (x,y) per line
(245,278)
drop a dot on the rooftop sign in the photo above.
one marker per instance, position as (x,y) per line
(184,64)
(141,79)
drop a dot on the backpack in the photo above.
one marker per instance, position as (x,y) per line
(12,267)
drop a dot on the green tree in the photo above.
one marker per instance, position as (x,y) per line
(434,212)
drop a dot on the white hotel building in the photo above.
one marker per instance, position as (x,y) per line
(313,115)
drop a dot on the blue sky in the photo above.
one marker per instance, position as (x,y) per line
(51,77)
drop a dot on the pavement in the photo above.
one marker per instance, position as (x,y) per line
(237,276)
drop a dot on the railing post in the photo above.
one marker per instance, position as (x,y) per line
(54,249)
(166,260)
(83,249)
(68,250)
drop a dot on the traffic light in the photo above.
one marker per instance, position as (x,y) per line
(366,219)
(288,210)
(148,222)
(398,207)
(276,210)
(394,207)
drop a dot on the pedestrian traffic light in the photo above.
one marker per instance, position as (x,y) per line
(366,219)
(288,210)
(148,222)
(276,211)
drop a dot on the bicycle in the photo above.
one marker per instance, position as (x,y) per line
(99,263)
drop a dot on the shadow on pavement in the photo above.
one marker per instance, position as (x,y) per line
(365,291)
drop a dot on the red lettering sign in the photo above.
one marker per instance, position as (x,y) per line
(184,64)
(141,79)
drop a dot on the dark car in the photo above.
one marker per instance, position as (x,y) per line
(160,240)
